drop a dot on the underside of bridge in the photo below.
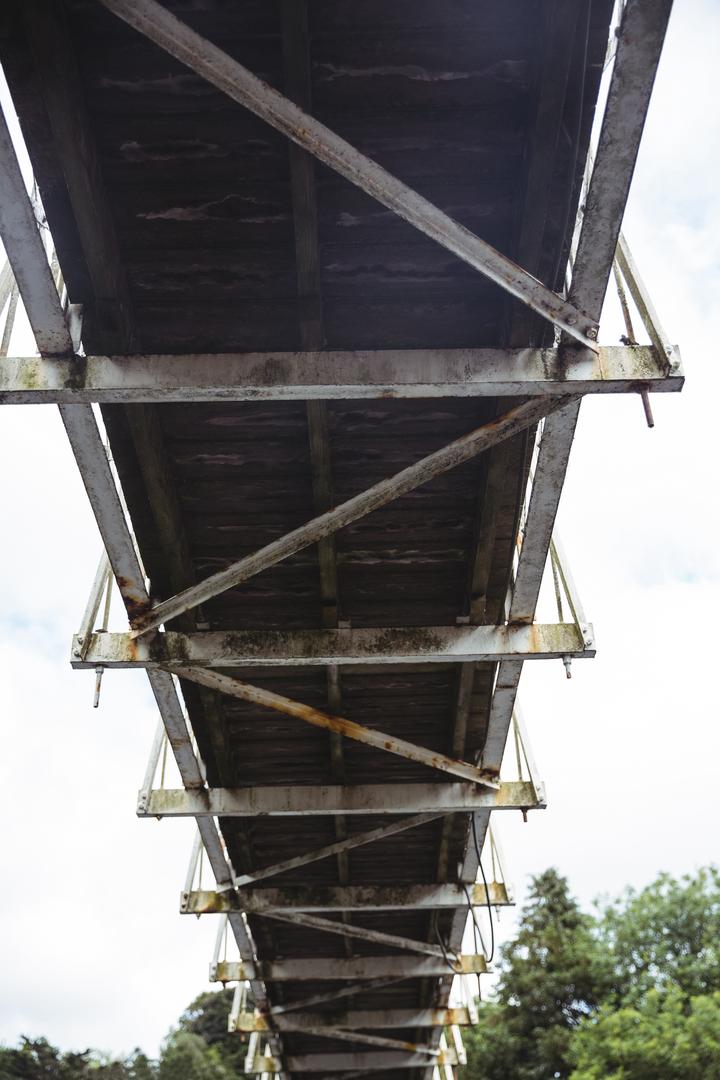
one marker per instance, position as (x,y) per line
(359,344)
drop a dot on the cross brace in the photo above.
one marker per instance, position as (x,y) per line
(307,376)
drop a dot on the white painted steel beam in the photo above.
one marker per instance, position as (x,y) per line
(200,55)
(26,254)
(290,376)
(373,1061)
(334,968)
(177,652)
(666,352)
(355,1018)
(340,799)
(414,476)
(320,898)
(348,844)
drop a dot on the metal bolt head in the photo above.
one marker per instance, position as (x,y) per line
(592,333)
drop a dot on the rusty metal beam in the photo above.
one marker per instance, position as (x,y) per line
(320,898)
(332,375)
(373,1061)
(355,1018)
(338,724)
(334,968)
(455,453)
(340,799)
(188,654)
(25,251)
(200,55)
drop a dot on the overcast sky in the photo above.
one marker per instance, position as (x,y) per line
(93,950)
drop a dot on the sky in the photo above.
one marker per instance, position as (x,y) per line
(93,950)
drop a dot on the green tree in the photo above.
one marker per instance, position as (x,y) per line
(666,935)
(207,1016)
(553,976)
(665,1036)
(188,1057)
(37,1059)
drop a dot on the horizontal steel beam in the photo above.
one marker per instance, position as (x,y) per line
(282,801)
(354,1018)
(343,898)
(339,969)
(291,376)
(373,1061)
(231,78)
(387,645)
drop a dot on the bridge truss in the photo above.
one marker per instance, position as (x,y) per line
(378,725)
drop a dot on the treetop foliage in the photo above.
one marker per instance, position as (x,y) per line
(628,993)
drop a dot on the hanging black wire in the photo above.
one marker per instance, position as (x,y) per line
(487,893)
(453,967)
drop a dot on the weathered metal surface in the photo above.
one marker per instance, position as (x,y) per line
(356,1018)
(285,376)
(639,45)
(421,472)
(340,725)
(341,799)
(21,239)
(342,898)
(186,654)
(312,968)
(666,353)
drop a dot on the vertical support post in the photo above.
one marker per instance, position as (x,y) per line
(93,604)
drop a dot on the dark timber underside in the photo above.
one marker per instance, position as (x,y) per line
(183,223)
